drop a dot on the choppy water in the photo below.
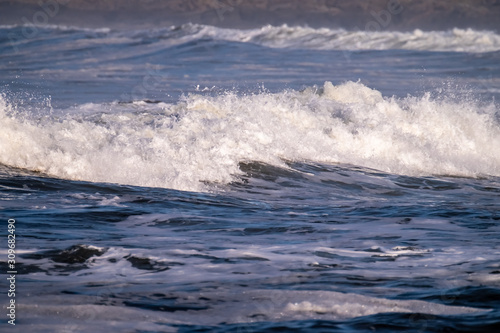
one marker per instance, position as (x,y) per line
(279,179)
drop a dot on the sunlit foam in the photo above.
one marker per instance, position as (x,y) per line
(202,139)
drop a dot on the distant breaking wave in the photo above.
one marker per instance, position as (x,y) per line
(455,40)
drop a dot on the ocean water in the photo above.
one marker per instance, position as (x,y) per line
(280,179)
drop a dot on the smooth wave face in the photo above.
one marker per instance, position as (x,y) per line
(296,37)
(202,139)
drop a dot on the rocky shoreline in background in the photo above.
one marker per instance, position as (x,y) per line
(353,14)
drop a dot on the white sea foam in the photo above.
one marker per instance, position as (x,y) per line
(203,138)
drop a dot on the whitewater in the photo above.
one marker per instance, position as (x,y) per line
(454,40)
(349,124)
(203,179)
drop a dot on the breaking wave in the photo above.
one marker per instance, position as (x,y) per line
(202,139)
(295,37)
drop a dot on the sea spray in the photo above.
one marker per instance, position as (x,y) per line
(202,139)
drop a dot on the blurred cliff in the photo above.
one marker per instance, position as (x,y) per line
(351,14)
